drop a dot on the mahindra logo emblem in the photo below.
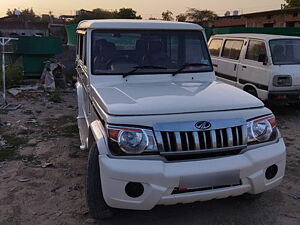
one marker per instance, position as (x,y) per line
(203,125)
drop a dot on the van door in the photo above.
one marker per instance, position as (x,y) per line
(254,71)
(214,47)
(227,65)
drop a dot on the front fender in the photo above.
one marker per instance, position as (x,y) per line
(97,134)
(79,91)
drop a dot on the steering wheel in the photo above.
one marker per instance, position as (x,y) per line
(120,59)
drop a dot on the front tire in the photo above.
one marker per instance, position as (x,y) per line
(98,208)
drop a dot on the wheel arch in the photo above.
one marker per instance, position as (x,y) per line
(249,86)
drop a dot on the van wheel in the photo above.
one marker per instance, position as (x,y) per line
(251,91)
(98,208)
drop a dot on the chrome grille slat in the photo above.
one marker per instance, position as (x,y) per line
(169,140)
(213,138)
(185,140)
(230,137)
(204,140)
(190,141)
(221,139)
(159,141)
(196,140)
(236,135)
(178,141)
(244,134)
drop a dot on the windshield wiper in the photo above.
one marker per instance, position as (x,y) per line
(142,67)
(182,67)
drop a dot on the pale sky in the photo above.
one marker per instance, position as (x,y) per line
(149,8)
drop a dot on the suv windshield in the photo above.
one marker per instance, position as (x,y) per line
(148,52)
(285,51)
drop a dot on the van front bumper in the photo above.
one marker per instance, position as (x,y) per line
(159,178)
(284,96)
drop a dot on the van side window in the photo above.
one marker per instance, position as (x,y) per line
(255,49)
(215,47)
(232,49)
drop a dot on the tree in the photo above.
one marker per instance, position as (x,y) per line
(167,15)
(25,14)
(200,16)
(181,17)
(123,13)
(10,12)
(127,13)
(291,3)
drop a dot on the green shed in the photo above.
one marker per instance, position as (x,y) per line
(71,33)
(36,50)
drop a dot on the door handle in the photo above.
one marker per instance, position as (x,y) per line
(215,65)
(234,67)
(244,67)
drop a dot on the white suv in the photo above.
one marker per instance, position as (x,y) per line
(159,129)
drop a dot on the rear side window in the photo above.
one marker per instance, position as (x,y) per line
(81,47)
(78,45)
(232,49)
(255,49)
(215,47)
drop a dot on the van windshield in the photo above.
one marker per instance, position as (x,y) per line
(148,52)
(285,51)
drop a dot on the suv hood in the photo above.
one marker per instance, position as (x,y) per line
(171,98)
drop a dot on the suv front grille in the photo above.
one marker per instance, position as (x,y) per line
(184,138)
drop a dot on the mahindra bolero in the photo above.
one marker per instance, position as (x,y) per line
(159,128)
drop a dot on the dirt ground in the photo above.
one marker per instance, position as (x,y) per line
(42,174)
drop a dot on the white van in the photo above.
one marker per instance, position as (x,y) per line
(158,127)
(267,66)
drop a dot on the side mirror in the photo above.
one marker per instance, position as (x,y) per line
(263,58)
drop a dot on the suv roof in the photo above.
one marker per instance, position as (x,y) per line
(136,24)
(266,37)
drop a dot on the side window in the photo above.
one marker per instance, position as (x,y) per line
(255,49)
(84,49)
(195,49)
(80,46)
(77,49)
(215,47)
(232,49)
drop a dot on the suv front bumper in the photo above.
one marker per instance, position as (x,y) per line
(160,178)
(284,96)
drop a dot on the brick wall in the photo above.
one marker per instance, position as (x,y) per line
(274,18)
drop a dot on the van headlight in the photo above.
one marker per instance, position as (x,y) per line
(262,129)
(131,140)
(282,81)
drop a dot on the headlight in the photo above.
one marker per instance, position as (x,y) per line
(262,129)
(131,140)
(282,81)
